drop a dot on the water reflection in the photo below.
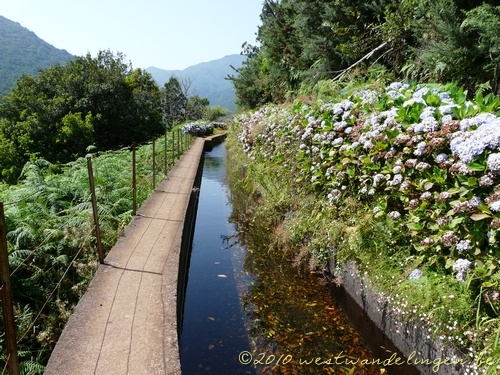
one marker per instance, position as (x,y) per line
(246,302)
(292,313)
(213,330)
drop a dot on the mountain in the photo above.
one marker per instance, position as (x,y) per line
(21,51)
(207,79)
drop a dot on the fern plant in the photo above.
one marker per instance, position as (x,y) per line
(51,237)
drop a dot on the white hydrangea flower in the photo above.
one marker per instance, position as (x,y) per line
(394,86)
(493,162)
(425,196)
(494,206)
(394,215)
(446,109)
(397,180)
(420,93)
(420,149)
(377,178)
(464,245)
(461,266)
(430,124)
(444,96)
(415,274)
(446,119)
(478,120)
(469,146)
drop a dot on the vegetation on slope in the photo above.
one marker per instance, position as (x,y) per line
(303,42)
(206,79)
(91,101)
(22,52)
(51,238)
(398,177)
(401,178)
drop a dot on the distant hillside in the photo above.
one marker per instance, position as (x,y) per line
(207,79)
(21,51)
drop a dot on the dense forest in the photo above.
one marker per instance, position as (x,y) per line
(90,101)
(303,42)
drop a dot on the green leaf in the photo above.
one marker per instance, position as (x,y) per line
(488,284)
(432,100)
(428,185)
(476,167)
(481,216)
(415,226)
(392,134)
(450,263)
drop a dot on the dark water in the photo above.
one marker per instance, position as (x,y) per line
(213,328)
(246,302)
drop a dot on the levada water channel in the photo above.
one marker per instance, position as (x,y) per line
(247,309)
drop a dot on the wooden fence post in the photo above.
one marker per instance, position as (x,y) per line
(154,164)
(134,182)
(94,209)
(179,142)
(183,135)
(173,146)
(6,293)
(166,156)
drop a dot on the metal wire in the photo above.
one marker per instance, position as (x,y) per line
(6,364)
(50,296)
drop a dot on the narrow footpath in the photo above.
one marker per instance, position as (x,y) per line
(126,323)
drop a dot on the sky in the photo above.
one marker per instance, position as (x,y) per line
(167,34)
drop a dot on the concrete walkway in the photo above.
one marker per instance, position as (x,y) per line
(126,323)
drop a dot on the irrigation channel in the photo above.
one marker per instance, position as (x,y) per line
(248,309)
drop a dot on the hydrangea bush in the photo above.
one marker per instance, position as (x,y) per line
(202,128)
(422,156)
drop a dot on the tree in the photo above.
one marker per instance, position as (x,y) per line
(459,41)
(304,41)
(196,108)
(173,102)
(249,80)
(64,109)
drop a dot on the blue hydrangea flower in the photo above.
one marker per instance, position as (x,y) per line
(441,158)
(493,163)
(415,274)
(464,245)
(487,135)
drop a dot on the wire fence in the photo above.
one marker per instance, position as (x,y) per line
(149,163)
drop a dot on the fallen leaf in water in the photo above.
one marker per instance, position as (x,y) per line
(211,346)
(222,276)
